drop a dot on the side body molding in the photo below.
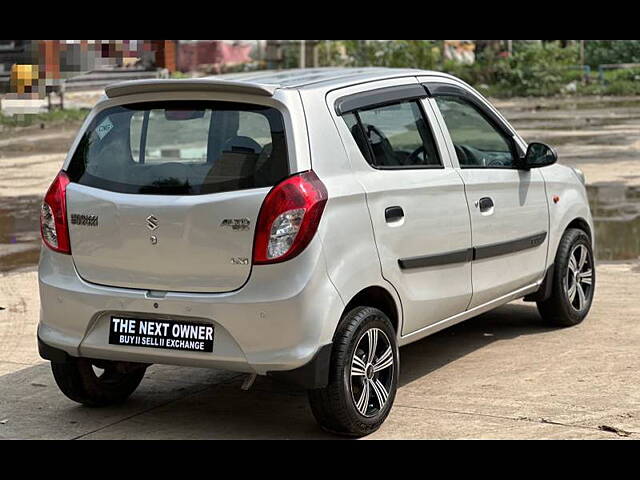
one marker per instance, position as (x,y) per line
(475,253)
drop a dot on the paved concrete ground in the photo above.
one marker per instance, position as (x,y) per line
(501,375)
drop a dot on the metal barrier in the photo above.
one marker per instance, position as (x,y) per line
(614,66)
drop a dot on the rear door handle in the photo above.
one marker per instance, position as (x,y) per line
(393,214)
(486,205)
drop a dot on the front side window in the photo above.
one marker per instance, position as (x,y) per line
(477,142)
(394,136)
(182,148)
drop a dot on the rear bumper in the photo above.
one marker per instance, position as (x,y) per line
(313,374)
(51,353)
(277,322)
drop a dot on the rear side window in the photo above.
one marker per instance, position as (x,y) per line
(394,136)
(182,148)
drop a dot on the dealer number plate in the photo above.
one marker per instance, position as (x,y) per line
(169,334)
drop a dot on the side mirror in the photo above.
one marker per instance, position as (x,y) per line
(539,155)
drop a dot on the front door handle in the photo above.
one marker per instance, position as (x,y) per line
(485,204)
(393,214)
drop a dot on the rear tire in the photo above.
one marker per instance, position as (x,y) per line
(362,381)
(574,281)
(78,380)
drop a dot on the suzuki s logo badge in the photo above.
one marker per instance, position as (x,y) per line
(152,222)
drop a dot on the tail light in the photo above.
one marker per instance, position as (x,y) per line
(53,216)
(289,218)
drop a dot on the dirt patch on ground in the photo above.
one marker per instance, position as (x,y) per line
(37,143)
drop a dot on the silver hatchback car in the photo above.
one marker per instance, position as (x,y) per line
(298,224)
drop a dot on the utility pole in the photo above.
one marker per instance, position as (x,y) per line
(584,74)
(303,51)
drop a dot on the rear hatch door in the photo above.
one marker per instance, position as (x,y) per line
(165,195)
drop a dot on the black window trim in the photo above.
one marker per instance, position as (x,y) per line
(369,157)
(379,97)
(436,89)
(142,154)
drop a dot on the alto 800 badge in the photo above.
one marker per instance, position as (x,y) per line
(84,220)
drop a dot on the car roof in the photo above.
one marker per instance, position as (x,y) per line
(306,77)
(266,82)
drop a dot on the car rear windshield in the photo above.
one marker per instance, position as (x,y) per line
(182,148)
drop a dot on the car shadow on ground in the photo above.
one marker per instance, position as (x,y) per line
(420,358)
(190,403)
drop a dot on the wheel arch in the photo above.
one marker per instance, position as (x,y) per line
(582,224)
(378,297)
(545,288)
(578,222)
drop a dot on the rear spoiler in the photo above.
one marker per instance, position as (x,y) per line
(188,85)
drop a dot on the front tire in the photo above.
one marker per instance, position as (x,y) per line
(574,281)
(97,383)
(363,375)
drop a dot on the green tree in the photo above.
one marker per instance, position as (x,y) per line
(393,53)
(598,52)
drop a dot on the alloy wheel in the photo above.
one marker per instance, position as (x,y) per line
(371,375)
(579,277)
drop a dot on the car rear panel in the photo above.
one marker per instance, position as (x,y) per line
(168,243)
